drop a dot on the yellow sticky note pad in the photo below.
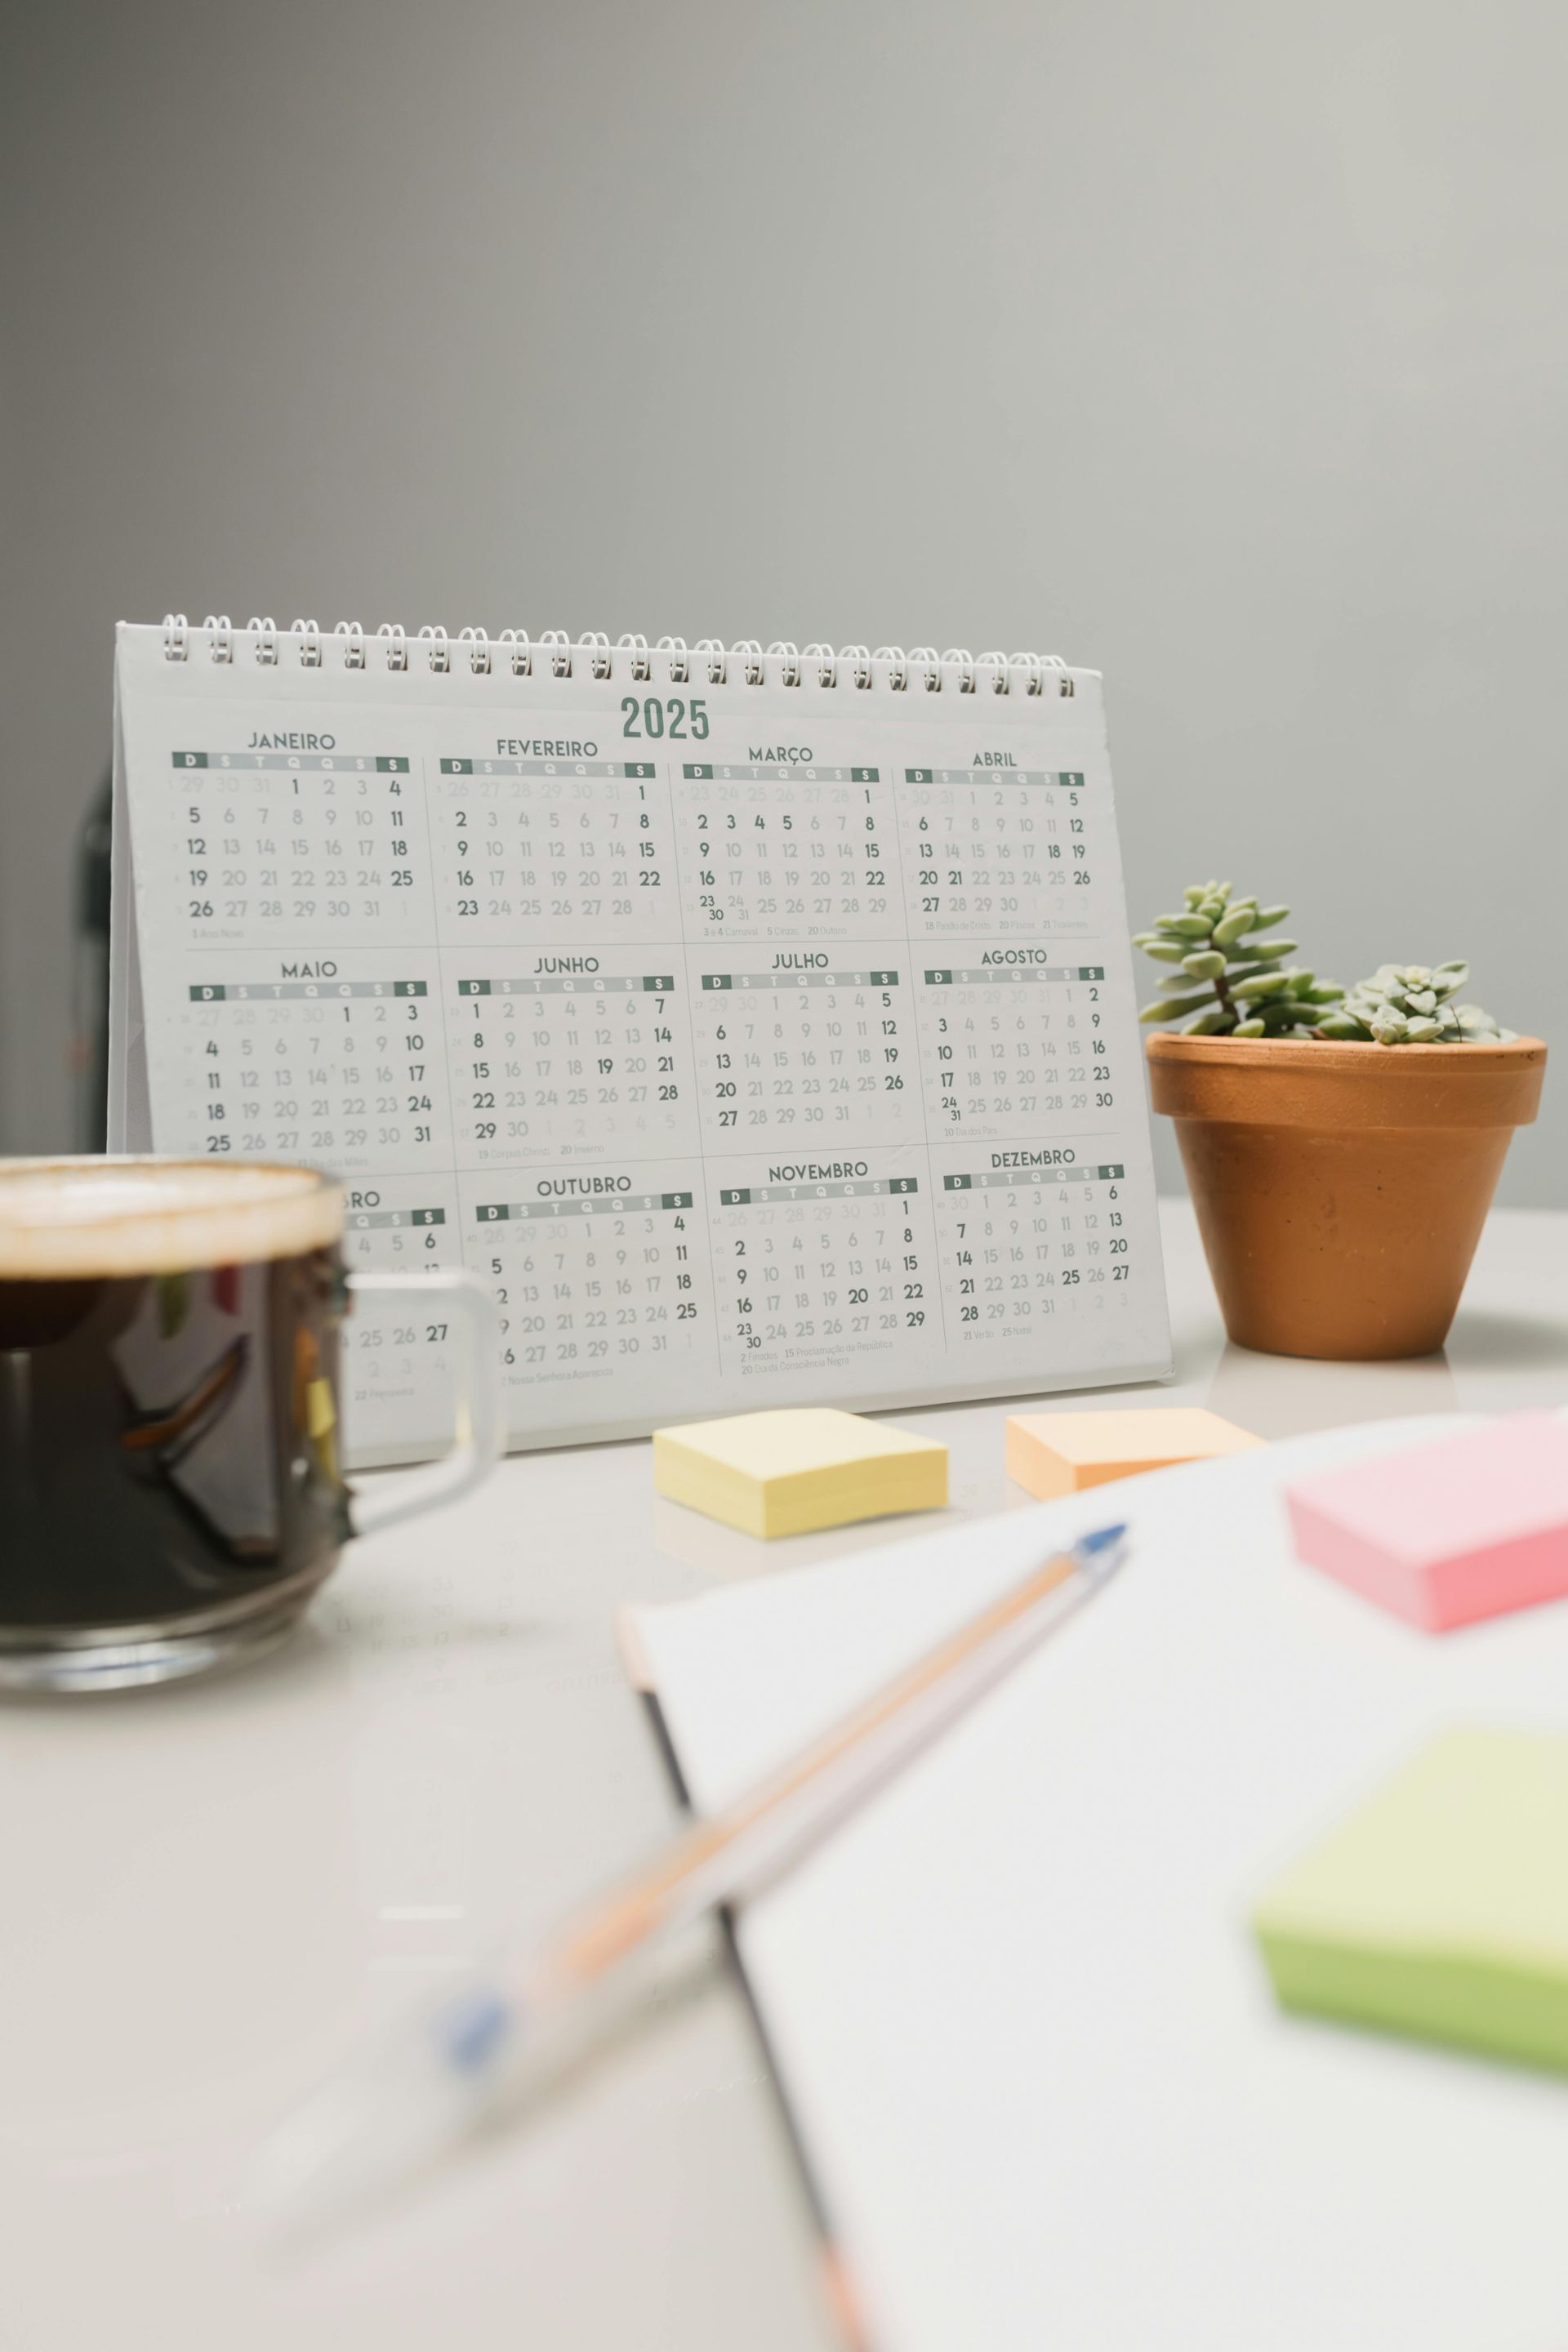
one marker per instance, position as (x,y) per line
(783,1474)
(1055,1453)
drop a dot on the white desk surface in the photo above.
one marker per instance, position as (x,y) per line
(208,1893)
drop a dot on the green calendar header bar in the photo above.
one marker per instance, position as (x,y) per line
(984,774)
(552,766)
(792,980)
(267,991)
(1048,1168)
(1009,972)
(507,1212)
(696,772)
(859,1189)
(649,983)
(315,762)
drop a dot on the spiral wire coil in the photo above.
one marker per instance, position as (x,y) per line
(921,670)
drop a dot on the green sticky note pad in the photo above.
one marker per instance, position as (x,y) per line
(1440,1909)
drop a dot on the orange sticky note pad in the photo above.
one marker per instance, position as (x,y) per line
(1055,1453)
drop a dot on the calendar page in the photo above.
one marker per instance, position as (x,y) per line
(758,1027)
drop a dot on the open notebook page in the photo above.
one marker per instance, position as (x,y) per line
(1023,2035)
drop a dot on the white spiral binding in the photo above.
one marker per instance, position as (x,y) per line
(353,647)
(513,654)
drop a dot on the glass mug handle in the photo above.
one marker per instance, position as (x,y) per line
(470,1308)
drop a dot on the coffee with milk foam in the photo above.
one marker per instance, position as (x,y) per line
(169,1388)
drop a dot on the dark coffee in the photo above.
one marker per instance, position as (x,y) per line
(169,1429)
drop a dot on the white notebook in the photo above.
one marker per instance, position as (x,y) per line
(1029,2054)
(760,1026)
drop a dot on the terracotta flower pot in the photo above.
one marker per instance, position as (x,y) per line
(1340,1188)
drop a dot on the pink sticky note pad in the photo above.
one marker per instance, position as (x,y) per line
(1448,1533)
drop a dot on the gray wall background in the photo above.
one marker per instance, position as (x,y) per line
(1222,347)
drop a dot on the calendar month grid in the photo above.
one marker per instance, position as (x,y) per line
(775,1076)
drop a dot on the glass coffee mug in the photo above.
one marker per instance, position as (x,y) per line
(171,1413)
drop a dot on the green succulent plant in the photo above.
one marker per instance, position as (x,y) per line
(1411,1004)
(1228,977)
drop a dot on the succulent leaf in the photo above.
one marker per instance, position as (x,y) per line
(1175,1008)
(1268,984)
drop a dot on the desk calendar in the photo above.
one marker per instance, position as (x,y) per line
(758,1026)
